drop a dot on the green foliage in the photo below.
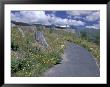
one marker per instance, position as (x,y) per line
(14,65)
(50,30)
(28,58)
(14,46)
(83,34)
(91,35)
(97,39)
(31,59)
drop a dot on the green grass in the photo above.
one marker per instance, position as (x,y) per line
(30,59)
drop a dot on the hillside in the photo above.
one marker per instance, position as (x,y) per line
(92,35)
(29,58)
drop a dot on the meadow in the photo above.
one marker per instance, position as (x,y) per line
(31,59)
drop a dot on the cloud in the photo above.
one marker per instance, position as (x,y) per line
(15,17)
(93,17)
(62,22)
(87,15)
(31,16)
(76,23)
(78,17)
(79,12)
(41,17)
(95,26)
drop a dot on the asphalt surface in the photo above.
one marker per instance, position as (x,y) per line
(77,62)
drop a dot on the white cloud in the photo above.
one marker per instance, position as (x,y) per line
(89,15)
(41,17)
(69,17)
(31,16)
(63,22)
(60,21)
(95,26)
(93,17)
(75,22)
(79,12)
(78,17)
(15,17)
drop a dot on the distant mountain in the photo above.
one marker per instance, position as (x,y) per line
(49,26)
(73,27)
(20,23)
(37,25)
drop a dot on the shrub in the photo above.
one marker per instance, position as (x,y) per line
(14,46)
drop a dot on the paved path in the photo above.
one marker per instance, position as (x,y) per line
(77,62)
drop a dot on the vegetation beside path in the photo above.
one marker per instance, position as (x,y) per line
(30,59)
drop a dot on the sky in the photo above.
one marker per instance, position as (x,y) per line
(77,18)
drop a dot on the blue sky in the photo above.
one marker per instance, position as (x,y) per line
(77,18)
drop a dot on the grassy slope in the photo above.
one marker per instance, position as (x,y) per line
(30,59)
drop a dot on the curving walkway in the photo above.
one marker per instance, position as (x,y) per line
(77,62)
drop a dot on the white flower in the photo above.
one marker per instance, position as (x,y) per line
(62,46)
(91,48)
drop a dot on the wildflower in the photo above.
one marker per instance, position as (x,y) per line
(62,46)
(91,48)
